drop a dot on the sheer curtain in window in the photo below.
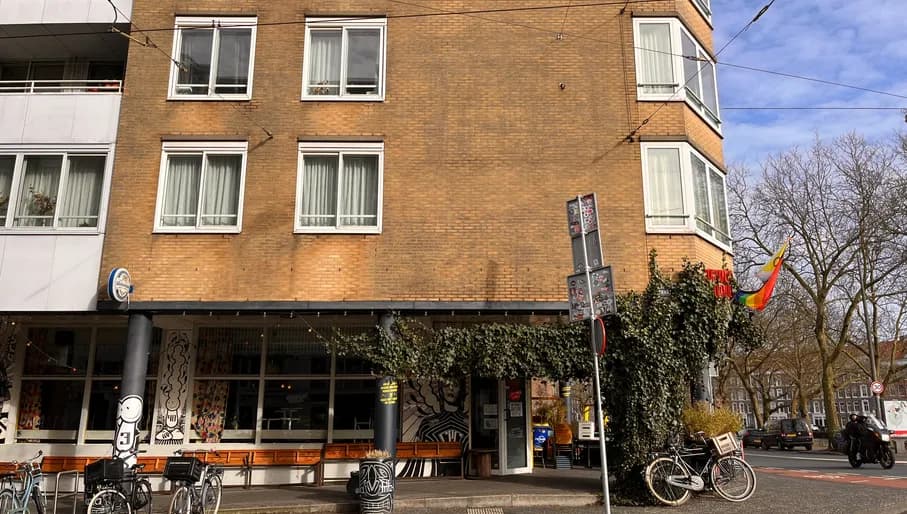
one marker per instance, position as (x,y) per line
(6,184)
(665,187)
(233,61)
(318,207)
(195,56)
(719,207)
(690,66)
(701,195)
(324,62)
(656,71)
(38,192)
(82,192)
(221,200)
(180,201)
(709,91)
(359,191)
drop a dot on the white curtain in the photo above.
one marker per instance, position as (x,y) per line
(701,194)
(221,199)
(719,207)
(665,187)
(656,72)
(38,192)
(6,183)
(181,190)
(233,61)
(319,191)
(324,62)
(82,192)
(195,56)
(359,191)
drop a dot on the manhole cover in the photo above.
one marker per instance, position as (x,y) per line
(489,510)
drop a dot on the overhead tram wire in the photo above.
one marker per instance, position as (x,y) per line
(644,122)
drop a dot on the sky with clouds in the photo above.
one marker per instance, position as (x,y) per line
(857,42)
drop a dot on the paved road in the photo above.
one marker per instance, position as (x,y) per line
(827,467)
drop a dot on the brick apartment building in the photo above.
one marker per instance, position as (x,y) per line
(284,169)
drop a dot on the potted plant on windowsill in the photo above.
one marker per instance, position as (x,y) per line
(376,482)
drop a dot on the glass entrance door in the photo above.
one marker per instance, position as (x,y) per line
(515,427)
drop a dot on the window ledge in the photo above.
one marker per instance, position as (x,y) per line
(663,230)
(197,231)
(329,98)
(50,232)
(329,231)
(209,98)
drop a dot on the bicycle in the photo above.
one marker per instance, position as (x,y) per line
(112,488)
(13,501)
(199,484)
(674,474)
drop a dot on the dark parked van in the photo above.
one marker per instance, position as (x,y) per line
(787,433)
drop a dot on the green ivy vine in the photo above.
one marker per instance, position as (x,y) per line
(657,344)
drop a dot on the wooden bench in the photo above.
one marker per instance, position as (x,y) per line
(248,460)
(442,451)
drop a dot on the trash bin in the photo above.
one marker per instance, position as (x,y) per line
(376,486)
(481,461)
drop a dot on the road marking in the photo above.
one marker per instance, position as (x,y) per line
(799,458)
(895,482)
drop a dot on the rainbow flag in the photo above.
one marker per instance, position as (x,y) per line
(758,299)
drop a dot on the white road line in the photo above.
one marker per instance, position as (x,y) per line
(797,458)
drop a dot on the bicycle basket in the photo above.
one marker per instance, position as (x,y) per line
(725,444)
(104,469)
(185,469)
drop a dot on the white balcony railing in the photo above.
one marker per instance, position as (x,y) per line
(60,86)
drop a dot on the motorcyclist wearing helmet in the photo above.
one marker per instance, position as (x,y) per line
(854,431)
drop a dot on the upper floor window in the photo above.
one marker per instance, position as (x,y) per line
(201,187)
(344,59)
(57,190)
(705,7)
(684,193)
(672,65)
(339,187)
(215,58)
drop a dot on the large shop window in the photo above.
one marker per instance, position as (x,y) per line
(61,190)
(339,187)
(71,384)
(684,193)
(215,58)
(201,187)
(672,66)
(344,59)
(284,378)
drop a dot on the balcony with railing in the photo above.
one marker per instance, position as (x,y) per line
(16,12)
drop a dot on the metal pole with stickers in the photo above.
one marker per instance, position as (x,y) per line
(590,292)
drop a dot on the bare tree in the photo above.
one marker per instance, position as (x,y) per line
(839,202)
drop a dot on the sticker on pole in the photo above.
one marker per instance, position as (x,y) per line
(877,387)
(602,294)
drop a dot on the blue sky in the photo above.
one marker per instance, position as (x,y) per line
(858,42)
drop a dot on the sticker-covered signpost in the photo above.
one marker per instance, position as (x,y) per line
(590,293)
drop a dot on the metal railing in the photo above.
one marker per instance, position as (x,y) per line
(74,493)
(60,86)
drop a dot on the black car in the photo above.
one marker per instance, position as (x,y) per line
(752,437)
(787,433)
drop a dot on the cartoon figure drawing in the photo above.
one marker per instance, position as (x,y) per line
(126,442)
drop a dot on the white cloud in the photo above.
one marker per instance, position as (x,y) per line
(858,42)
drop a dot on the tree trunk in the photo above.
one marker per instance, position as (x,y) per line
(828,394)
(803,400)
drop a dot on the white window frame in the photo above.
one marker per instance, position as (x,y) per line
(330,148)
(19,152)
(344,24)
(204,148)
(680,94)
(689,203)
(212,23)
(705,8)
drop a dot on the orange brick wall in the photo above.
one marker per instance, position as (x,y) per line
(482,150)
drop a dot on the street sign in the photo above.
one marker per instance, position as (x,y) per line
(589,213)
(593,252)
(877,387)
(602,294)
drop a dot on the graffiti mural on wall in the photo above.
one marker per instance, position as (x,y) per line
(126,437)
(174,389)
(7,361)
(433,411)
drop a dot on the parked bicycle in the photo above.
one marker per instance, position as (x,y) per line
(675,473)
(111,487)
(199,484)
(16,501)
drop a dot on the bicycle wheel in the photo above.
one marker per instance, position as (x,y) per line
(181,502)
(141,500)
(657,473)
(38,498)
(733,479)
(7,500)
(211,494)
(109,501)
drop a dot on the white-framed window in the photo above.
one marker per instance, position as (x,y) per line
(864,390)
(704,7)
(216,57)
(52,189)
(672,66)
(684,193)
(201,187)
(344,59)
(340,187)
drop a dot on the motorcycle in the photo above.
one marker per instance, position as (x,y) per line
(873,445)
